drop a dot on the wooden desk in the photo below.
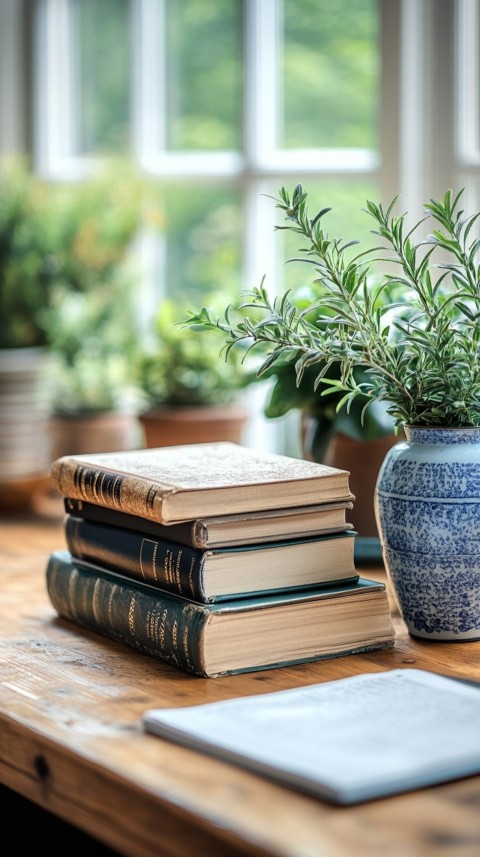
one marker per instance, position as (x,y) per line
(71,741)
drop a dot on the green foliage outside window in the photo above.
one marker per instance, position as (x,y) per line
(204,73)
(331,74)
(103,70)
(204,233)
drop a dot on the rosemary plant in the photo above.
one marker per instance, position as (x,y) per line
(418,350)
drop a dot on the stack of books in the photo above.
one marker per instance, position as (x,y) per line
(214,557)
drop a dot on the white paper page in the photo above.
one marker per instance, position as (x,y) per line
(346,740)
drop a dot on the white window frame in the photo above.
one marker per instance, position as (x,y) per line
(259,161)
(422,93)
(427,140)
(467,142)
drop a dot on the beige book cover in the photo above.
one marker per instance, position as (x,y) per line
(185,482)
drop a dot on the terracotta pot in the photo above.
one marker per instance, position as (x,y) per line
(202,424)
(363,458)
(109,431)
(104,432)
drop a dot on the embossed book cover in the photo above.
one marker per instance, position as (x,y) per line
(180,483)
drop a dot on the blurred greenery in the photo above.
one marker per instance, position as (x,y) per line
(100,219)
(29,265)
(62,240)
(61,246)
(92,319)
(205,76)
(203,230)
(92,341)
(103,69)
(329,69)
(175,368)
(330,74)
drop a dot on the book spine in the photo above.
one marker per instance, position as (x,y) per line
(159,562)
(192,533)
(111,489)
(156,625)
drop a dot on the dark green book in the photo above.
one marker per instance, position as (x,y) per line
(217,574)
(219,639)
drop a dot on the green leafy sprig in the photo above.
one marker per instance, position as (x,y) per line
(414,330)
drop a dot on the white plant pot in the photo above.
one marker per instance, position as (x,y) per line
(24,438)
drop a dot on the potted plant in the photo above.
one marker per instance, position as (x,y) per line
(420,354)
(55,240)
(29,237)
(91,393)
(189,395)
(59,238)
(90,320)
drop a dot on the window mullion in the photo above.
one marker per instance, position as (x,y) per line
(262,33)
(261,38)
(440,145)
(261,100)
(389,125)
(54,122)
(13,95)
(149,78)
(430,65)
(415,107)
(467,100)
(467,84)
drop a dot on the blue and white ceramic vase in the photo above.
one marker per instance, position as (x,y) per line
(427,505)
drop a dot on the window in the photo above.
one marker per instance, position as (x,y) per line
(101,60)
(225,102)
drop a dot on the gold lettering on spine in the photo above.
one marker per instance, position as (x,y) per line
(97,602)
(167,566)
(178,577)
(99,486)
(154,560)
(150,499)
(96,484)
(185,647)
(110,606)
(131,616)
(148,559)
(171,568)
(190,578)
(163,620)
(152,626)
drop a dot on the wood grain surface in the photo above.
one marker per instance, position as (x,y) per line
(71,740)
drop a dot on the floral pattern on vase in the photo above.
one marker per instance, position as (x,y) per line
(427,504)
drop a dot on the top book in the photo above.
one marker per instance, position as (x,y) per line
(182,483)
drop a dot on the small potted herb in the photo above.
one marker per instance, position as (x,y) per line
(90,387)
(188,394)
